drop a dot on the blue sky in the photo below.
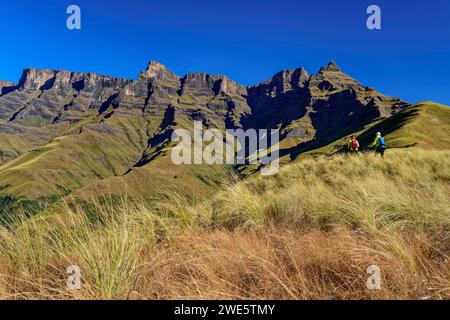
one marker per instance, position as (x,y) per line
(247,40)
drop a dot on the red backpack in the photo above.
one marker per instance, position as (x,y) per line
(355,144)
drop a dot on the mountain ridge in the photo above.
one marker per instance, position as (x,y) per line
(154,65)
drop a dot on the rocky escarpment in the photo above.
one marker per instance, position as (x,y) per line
(305,107)
(318,108)
(215,99)
(47,95)
(292,100)
(41,79)
(309,109)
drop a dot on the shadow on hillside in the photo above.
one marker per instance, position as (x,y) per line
(107,103)
(273,111)
(335,118)
(9,89)
(161,139)
(387,126)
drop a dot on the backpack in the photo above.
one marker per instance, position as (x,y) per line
(355,144)
(381,141)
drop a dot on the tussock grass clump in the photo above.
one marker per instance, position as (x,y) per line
(309,232)
(364,191)
(279,263)
(106,240)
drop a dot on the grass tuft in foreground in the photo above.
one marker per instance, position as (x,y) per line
(309,232)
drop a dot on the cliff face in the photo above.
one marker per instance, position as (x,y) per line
(41,79)
(298,103)
(43,97)
(313,110)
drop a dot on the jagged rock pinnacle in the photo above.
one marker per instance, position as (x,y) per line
(157,70)
(332,66)
(154,68)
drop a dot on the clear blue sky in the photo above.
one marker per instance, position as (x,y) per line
(248,40)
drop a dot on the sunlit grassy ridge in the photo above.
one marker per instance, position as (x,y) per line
(425,124)
(309,232)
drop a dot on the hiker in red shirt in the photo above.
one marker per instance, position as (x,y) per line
(353,145)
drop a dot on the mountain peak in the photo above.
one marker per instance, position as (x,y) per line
(331,66)
(285,80)
(156,69)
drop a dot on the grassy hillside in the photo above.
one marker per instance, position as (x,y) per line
(424,124)
(309,232)
(103,159)
(97,150)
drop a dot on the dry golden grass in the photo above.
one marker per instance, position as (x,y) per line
(278,263)
(309,232)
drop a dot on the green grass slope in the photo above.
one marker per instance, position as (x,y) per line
(155,175)
(97,150)
(424,125)
(127,153)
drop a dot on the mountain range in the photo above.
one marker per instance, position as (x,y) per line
(78,134)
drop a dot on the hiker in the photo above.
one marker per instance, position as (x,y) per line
(379,144)
(353,145)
